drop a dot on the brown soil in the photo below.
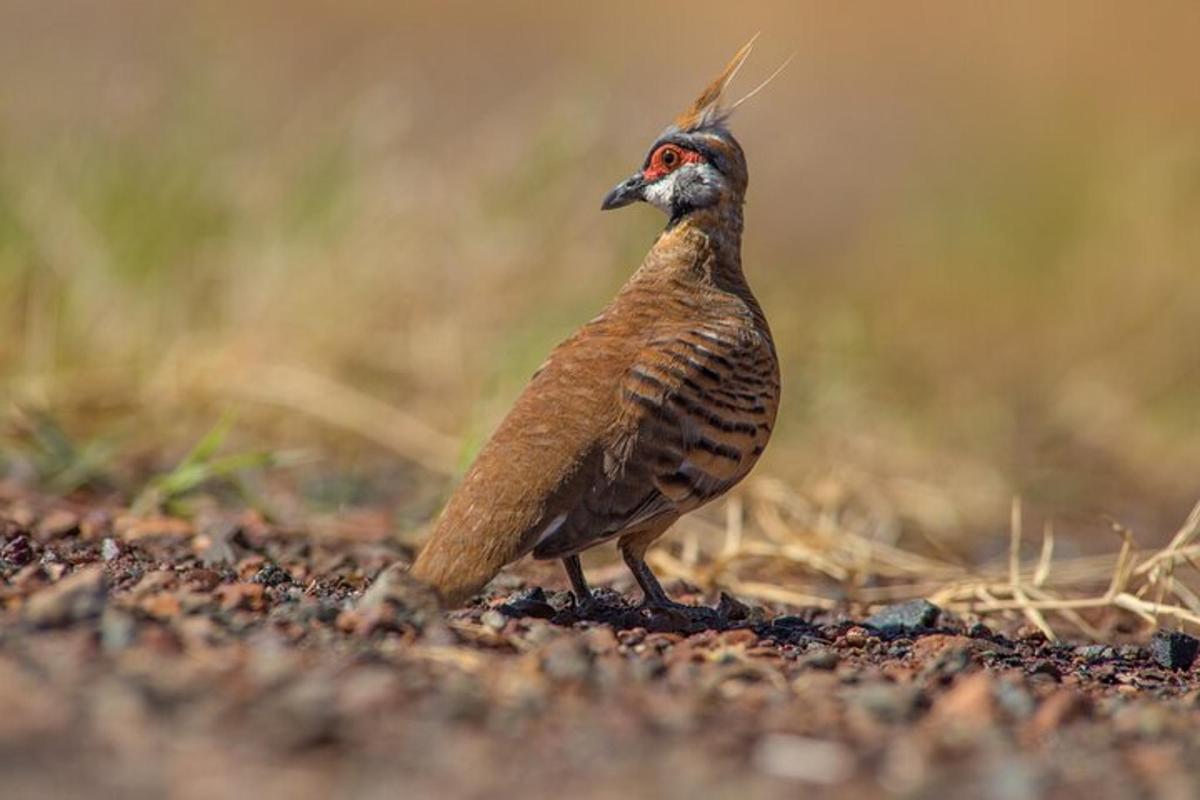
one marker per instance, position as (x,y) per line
(226,658)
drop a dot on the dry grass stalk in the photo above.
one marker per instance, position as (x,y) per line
(775,539)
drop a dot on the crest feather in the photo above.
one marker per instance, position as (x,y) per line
(706,110)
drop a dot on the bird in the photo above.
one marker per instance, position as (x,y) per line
(660,404)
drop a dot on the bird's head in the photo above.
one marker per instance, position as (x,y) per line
(696,162)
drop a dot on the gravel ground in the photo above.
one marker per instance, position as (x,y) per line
(224,658)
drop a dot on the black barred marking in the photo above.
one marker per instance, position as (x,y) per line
(682,377)
(758,450)
(712,337)
(703,369)
(713,356)
(718,449)
(751,380)
(677,478)
(649,404)
(712,418)
(648,379)
(697,484)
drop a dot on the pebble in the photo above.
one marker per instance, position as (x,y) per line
(530,603)
(57,523)
(1174,649)
(902,618)
(272,575)
(18,551)
(819,658)
(494,619)
(110,550)
(802,759)
(79,596)
(1095,653)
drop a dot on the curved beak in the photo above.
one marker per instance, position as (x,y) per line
(625,192)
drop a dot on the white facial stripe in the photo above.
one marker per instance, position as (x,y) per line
(662,193)
(659,193)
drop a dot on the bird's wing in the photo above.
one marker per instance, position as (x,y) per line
(692,422)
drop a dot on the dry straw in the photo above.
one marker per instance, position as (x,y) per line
(775,539)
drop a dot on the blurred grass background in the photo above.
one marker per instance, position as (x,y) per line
(975,230)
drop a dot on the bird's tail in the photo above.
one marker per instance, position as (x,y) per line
(458,571)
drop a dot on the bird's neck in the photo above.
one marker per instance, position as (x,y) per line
(707,243)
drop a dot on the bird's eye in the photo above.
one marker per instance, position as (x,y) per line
(670,157)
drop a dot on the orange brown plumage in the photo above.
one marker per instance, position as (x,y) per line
(660,404)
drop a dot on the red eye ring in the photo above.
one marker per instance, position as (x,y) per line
(668,158)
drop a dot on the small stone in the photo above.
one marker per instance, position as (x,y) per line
(799,758)
(118,629)
(970,703)
(567,659)
(530,603)
(18,551)
(1174,649)
(1046,668)
(272,575)
(1095,653)
(1130,652)
(855,638)
(904,618)
(1056,710)
(739,637)
(819,658)
(241,596)
(1014,699)
(980,631)
(494,619)
(59,522)
(887,702)
(600,640)
(110,550)
(732,609)
(81,595)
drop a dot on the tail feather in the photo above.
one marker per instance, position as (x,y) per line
(458,568)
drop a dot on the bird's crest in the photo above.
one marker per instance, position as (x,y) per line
(708,109)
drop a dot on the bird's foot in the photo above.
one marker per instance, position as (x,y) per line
(680,615)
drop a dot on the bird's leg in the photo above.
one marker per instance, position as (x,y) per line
(654,598)
(653,595)
(584,600)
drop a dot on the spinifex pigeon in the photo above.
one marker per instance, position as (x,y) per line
(658,405)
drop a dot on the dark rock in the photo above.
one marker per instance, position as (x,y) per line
(1095,653)
(980,631)
(1047,668)
(904,618)
(18,551)
(529,603)
(1174,649)
(790,630)
(272,575)
(732,609)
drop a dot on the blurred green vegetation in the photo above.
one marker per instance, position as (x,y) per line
(976,234)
